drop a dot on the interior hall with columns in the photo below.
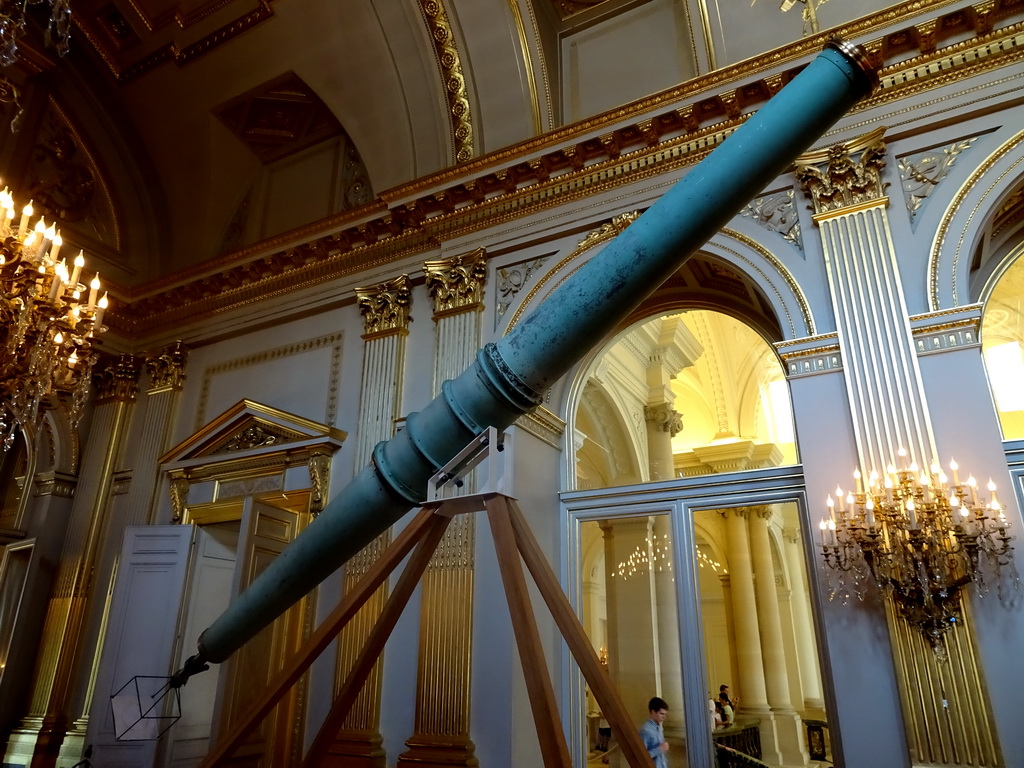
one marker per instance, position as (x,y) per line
(793,470)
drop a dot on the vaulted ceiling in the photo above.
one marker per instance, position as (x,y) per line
(217,125)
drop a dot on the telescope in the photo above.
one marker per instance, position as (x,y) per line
(509,377)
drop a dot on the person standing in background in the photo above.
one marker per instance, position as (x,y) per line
(653,734)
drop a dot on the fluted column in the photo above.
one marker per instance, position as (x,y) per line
(666,617)
(787,724)
(773,653)
(63,656)
(730,627)
(889,411)
(385,311)
(663,422)
(806,650)
(744,605)
(633,654)
(441,736)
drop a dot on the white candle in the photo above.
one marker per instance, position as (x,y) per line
(94,288)
(839,498)
(26,214)
(102,307)
(992,490)
(58,241)
(823,526)
(973,485)
(40,231)
(953,467)
(77,271)
(911,513)
(869,513)
(856,477)
(55,285)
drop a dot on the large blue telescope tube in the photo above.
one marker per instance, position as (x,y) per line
(509,377)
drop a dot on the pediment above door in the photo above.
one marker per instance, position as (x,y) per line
(249,449)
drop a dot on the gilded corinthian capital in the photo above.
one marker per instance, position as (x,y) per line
(118,380)
(167,369)
(385,307)
(844,175)
(457,284)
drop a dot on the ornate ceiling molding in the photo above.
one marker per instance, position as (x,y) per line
(279,118)
(517,182)
(452,78)
(109,34)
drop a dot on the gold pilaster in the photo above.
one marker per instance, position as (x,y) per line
(441,735)
(64,653)
(385,309)
(944,705)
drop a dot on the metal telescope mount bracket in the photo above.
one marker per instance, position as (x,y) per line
(514,545)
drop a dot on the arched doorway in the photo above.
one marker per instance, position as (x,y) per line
(686,584)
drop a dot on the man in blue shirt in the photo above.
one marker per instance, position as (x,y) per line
(653,735)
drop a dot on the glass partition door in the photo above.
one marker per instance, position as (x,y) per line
(685,588)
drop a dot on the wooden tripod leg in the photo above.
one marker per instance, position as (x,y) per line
(579,645)
(375,642)
(524,623)
(320,639)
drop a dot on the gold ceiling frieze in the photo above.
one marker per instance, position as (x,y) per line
(523,184)
(252,282)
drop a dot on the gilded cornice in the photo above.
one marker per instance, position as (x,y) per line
(452,78)
(525,179)
(707,85)
(385,307)
(457,284)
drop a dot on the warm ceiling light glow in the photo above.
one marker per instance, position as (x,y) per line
(1006,372)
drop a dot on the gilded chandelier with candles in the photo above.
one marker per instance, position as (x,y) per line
(921,536)
(49,317)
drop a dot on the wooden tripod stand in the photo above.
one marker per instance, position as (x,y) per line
(514,544)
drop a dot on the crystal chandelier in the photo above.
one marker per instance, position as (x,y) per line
(921,539)
(48,321)
(13,23)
